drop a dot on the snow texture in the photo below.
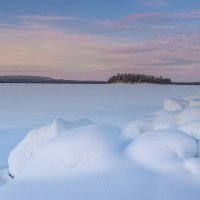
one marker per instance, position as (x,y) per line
(35,138)
(174,104)
(163,149)
(80,159)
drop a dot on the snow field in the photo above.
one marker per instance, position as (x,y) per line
(81,159)
(167,141)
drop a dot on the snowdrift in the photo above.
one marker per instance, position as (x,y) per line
(25,150)
(65,148)
(163,149)
(90,160)
(170,140)
(165,142)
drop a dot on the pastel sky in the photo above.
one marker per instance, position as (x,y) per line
(94,39)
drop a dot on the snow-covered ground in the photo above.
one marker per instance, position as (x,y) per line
(99,142)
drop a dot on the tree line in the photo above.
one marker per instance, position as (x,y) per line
(138,78)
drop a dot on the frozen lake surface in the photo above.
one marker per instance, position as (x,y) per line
(28,106)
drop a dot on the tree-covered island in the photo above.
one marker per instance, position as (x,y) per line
(138,78)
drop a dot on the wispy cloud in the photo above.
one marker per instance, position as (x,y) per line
(4,25)
(43,18)
(132,21)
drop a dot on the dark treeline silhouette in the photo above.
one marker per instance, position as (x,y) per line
(138,78)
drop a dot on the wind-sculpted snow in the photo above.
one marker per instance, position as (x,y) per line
(136,128)
(84,150)
(26,149)
(173,142)
(188,115)
(4,176)
(163,149)
(162,142)
(192,128)
(174,104)
(85,160)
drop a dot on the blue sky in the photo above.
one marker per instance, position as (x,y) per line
(95,39)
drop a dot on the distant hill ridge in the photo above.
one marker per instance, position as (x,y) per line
(42,79)
(20,77)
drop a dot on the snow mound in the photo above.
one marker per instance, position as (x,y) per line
(192,165)
(193,97)
(35,138)
(174,104)
(188,114)
(192,128)
(167,141)
(87,148)
(4,177)
(195,103)
(162,149)
(136,128)
(163,120)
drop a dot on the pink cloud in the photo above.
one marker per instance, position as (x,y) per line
(132,20)
(132,49)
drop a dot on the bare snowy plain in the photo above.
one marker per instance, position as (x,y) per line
(102,142)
